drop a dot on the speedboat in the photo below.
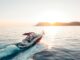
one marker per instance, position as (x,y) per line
(31,40)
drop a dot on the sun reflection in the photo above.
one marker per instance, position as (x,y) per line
(50,35)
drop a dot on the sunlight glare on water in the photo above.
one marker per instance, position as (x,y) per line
(50,35)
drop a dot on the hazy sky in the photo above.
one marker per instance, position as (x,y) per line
(39,10)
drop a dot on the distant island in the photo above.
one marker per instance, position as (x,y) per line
(58,24)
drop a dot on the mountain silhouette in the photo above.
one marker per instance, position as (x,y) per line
(58,24)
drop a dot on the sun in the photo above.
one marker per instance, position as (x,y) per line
(52,16)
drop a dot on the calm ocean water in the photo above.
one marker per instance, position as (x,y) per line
(63,42)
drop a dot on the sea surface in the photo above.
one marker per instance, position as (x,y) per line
(58,43)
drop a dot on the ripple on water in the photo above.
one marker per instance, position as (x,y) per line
(57,54)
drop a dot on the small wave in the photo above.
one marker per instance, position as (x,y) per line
(57,54)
